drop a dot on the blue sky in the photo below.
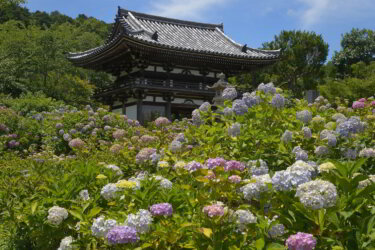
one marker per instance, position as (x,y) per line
(246,21)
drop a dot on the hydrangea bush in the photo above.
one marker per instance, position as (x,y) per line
(264,171)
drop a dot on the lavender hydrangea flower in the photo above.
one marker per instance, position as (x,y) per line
(350,154)
(234,165)
(239,107)
(228,111)
(84,195)
(285,180)
(193,166)
(250,99)
(244,218)
(367,152)
(109,191)
(122,235)
(267,88)
(278,101)
(235,178)
(304,116)
(56,215)
(287,136)
(141,221)
(215,162)
(59,125)
(229,93)
(161,209)
(213,210)
(301,241)
(67,137)
(13,144)
(253,190)
(115,169)
(175,146)
(234,130)
(144,155)
(118,134)
(164,183)
(317,194)
(76,143)
(101,227)
(321,151)
(196,117)
(206,106)
(257,167)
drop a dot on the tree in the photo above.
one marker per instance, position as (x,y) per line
(356,46)
(303,55)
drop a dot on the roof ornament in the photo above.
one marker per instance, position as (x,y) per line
(219,86)
(155,36)
(244,48)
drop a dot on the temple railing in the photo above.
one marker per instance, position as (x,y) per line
(169,85)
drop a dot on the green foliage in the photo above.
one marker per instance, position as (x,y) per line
(358,45)
(33,55)
(303,54)
(360,84)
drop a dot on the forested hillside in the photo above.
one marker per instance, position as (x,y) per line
(33,46)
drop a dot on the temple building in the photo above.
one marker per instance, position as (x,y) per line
(164,66)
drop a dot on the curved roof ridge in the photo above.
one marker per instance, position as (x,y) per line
(170,20)
(228,38)
(140,27)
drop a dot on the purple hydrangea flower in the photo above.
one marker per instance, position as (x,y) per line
(59,125)
(301,241)
(234,165)
(215,162)
(161,209)
(122,235)
(267,88)
(13,144)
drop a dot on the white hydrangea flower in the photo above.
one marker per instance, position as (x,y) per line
(164,183)
(287,136)
(307,134)
(304,116)
(243,218)
(254,189)
(141,221)
(101,227)
(368,182)
(84,195)
(114,168)
(321,151)
(109,191)
(66,243)
(56,215)
(326,167)
(317,194)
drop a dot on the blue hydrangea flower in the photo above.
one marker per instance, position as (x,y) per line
(278,101)
(239,107)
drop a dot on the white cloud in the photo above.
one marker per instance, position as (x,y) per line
(189,9)
(317,11)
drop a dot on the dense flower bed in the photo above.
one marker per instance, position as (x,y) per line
(263,172)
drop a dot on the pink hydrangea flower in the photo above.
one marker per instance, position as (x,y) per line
(161,121)
(358,105)
(76,143)
(213,210)
(235,179)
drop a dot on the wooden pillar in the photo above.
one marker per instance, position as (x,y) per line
(140,110)
(168,107)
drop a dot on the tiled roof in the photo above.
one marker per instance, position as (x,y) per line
(179,35)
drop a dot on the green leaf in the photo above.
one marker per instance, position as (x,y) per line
(94,211)
(275,246)
(33,207)
(259,243)
(206,231)
(76,214)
